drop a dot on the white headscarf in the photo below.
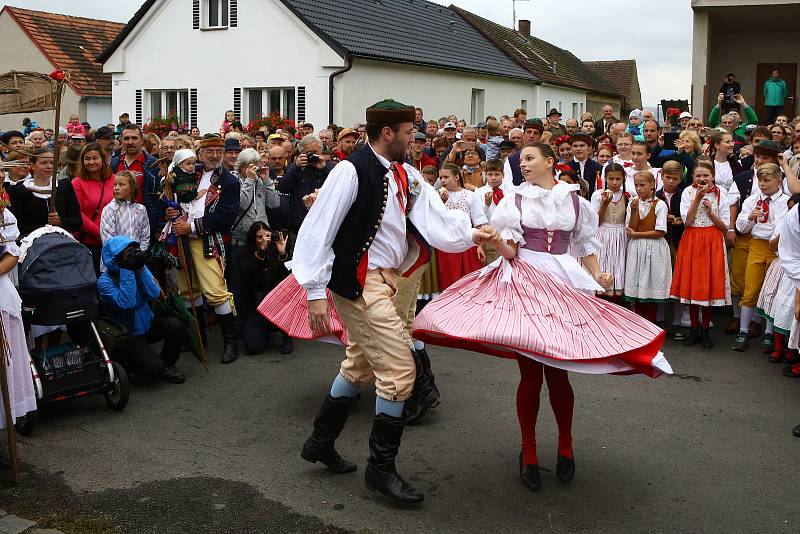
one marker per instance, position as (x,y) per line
(180,156)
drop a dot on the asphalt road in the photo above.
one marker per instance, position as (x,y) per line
(707,450)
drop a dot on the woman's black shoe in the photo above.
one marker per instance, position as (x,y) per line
(692,338)
(173,376)
(530,475)
(796,431)
(565,468)
(705,338)
(287,346)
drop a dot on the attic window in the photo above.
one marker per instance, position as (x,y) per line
(215,14)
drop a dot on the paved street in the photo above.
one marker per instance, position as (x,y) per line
(708,450)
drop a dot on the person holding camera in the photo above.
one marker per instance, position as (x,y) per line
(728,89)
(737,121)
(303,177)
(126,290)
(261,267)
(256,195)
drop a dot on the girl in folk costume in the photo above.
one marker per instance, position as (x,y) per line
(20,385)
(623,157)
(535,305)
(776,300)
(648,271)
(701,268)
(789,256)
(453,266)
(641,156)
(726,166)
(611,205)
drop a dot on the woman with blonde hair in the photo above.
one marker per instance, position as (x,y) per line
(152,144)
(688,146)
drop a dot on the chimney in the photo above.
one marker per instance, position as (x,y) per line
(525,28)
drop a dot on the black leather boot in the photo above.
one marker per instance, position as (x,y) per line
(327,427)
(230,350)
(705,338)
(425,395)
(693,338)
(426,364)
(287,345)
(381,474)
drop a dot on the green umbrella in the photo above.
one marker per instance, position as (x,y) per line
(172,305)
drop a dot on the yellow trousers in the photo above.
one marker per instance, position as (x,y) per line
(208,278)
(758,261)
(739,264)
(377,348)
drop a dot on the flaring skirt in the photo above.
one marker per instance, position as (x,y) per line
(286,307)
(701,269)
(769,290)
(511,308)
(612,254)
(782,311)
(18,367)
(648,272)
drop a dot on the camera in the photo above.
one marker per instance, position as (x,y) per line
(312,158)
(132,258)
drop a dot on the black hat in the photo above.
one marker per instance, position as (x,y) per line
(419,136)
(232,144)
(481,124)
(554,111)
(104,132)
(6,137)
(535,124)
(508,144)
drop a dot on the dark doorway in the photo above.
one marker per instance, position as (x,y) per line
(789,73)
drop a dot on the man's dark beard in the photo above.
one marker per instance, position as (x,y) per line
(396,151)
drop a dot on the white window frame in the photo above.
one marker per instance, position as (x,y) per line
(477,106)
(181,94)
(248,114)
(224,14)
(575,110)
(546,106)
(523,105)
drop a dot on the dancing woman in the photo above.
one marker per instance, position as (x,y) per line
(536,305)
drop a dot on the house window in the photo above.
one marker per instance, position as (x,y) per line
(581,105)
(547,106)
(560,106)
(265,101)
(164,102)
(574,110)
(476,113)
(524,105)
(215,13)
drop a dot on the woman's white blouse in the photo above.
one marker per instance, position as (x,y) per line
(701,218)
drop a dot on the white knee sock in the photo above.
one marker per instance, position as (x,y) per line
(769,328)
(223,309)
(745,318)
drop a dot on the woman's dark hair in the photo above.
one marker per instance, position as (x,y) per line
(616,167)
(251,234)
(38,153)
(546,151)
(105,170)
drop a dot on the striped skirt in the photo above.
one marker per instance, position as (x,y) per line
(611,257)
(511,309)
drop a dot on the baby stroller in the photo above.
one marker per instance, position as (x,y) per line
(58,285)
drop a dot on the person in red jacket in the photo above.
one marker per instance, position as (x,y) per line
(94,188)
(416,153)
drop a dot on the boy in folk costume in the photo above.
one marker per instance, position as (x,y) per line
(355,241)
(203,229)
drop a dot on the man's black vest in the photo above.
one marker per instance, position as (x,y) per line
(744,182)
(360,225)
(513,161)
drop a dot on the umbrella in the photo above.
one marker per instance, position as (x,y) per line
(172,305)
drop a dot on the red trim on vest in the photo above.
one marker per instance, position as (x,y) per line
(423,258)
(363,267)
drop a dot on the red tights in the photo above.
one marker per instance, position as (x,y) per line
(561,399)
(646,310)
(695,315)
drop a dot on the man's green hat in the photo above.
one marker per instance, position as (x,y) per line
(390,112)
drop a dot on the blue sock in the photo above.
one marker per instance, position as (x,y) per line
(343,388)
(418,345)
(393,408)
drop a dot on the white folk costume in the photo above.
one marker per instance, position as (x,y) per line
(612,237)
(17,362)
(648,271)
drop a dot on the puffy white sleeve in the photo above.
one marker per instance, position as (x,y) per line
(733,195)
(596,196)
(687,197)
(476,209)
(583,239)
(507,220)
(628,214)
(313,252)
(443,229)
(508,176)
(789,246)
(661,216)
(9,233)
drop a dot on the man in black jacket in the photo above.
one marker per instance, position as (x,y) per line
(604,124)
(303,177)
(586,168)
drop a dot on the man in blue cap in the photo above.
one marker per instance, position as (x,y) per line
(355,242)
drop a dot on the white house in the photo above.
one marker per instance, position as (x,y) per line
(324,61)
(319,61)
(42,42)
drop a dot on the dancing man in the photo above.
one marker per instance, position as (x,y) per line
(355,241)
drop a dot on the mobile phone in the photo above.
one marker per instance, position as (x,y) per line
(669,140)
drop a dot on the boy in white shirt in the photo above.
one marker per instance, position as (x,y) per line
(491,194)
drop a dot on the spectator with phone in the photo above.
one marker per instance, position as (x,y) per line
(738,124)
(261,267)
(729,89)
(303,177)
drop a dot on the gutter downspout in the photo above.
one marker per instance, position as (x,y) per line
(346,68)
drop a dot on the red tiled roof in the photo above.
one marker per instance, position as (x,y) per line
(71,44)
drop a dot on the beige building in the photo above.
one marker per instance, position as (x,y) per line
(42,42)
(749,38)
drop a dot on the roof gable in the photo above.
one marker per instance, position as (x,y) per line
(548,62)
(621,74)
(71,44)
(417,32)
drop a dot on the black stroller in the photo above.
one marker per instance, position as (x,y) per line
(57,284)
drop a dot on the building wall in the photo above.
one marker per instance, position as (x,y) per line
(21,54)
(216,64)
(740,52)
(595,102)
(97,111)
(438,92)
(564,99)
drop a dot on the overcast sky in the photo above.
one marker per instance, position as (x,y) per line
(657,37)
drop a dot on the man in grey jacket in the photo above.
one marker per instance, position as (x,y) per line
(256,196)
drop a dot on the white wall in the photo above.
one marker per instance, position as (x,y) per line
(98,112)
(20,54)
(438,92)
(566,97)
(214,62)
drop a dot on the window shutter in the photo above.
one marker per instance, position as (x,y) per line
(233,14)
(301,104)
(192,108)
(196,14)
(237,103)
(138,113)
